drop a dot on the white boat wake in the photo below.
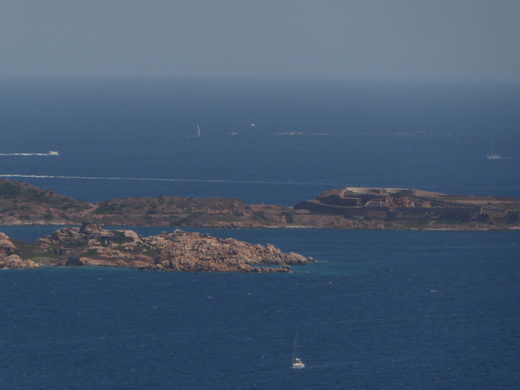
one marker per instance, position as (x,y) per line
(24,176)
(50,153)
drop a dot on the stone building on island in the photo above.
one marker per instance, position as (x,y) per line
(394,204)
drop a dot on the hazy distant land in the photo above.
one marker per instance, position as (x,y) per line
(343,208)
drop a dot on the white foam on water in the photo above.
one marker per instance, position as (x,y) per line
(15,175)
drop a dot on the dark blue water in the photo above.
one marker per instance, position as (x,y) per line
(134,129)
(386,310)
(381,310)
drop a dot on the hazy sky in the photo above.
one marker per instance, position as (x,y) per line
(374,39)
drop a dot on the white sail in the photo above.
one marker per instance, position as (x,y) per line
(197,134)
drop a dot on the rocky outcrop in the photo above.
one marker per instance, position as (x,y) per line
(92,245)
(182,251)
(8,258)
(15,262)
(6,246)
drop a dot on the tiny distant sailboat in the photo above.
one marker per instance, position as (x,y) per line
(493,155)
(197,134)
(297,363)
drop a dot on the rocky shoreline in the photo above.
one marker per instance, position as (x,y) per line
(92,245)
(344,208)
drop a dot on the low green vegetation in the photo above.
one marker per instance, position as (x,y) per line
(120,237)
(31,251)
(108,208)
(10,191)
(260,215)
(23,195)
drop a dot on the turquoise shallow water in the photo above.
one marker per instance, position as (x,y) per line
(386,310)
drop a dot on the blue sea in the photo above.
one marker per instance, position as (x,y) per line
(380,309)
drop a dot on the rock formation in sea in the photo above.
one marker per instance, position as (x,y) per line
(8,258)
(92,245)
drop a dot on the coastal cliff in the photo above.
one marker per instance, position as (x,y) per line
(92,245)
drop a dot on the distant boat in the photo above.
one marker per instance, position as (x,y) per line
(197,134)
(492,155)
(297,363)
(498,157)
(50,153)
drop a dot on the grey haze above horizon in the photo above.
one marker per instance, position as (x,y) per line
(334,39)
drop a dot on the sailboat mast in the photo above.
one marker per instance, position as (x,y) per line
(294,349)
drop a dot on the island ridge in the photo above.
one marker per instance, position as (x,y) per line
(343,208)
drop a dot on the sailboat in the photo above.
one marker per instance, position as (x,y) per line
(297,363)
(492,155)
(197,135)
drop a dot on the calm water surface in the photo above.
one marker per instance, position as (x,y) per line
(382,310)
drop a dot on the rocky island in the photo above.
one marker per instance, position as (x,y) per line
(342,208)
(92,245)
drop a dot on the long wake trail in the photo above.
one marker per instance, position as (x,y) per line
(51,153)
(22,176)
